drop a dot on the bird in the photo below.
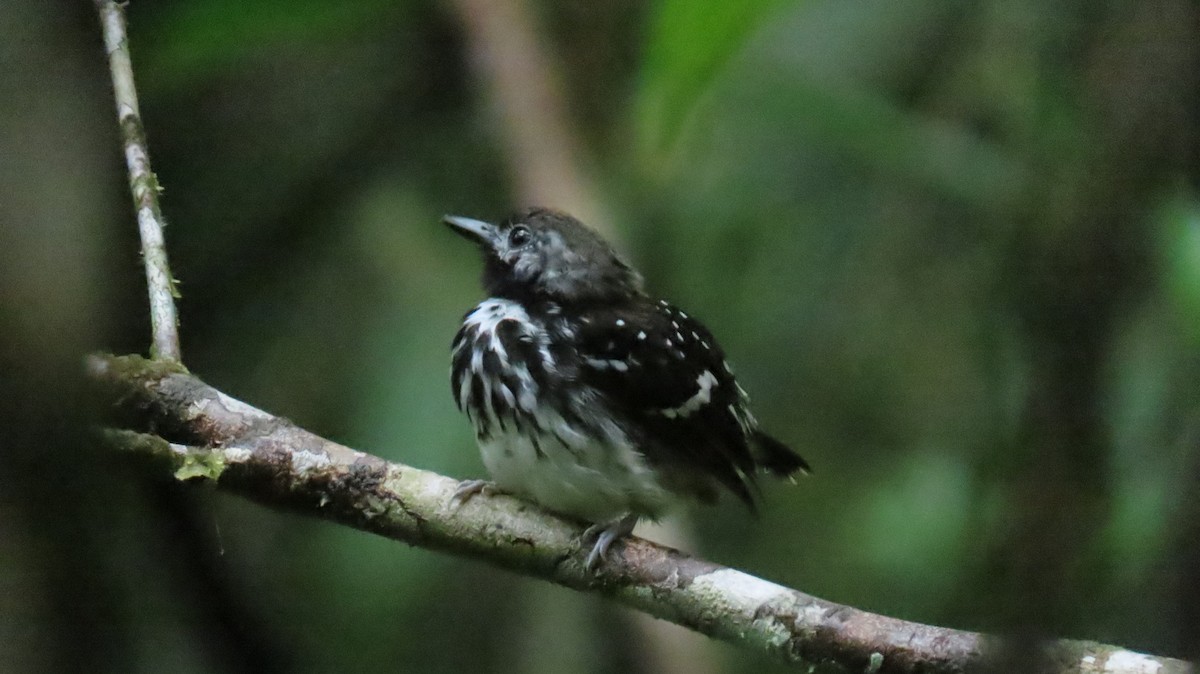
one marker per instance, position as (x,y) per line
(590,397)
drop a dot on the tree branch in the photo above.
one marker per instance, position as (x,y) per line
(205,435)
(143,184)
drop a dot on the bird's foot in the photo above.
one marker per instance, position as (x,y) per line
(467,489)
(605,534)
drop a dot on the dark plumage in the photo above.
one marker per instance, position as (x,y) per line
(589,397)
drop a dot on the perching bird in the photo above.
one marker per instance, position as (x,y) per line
(589,397)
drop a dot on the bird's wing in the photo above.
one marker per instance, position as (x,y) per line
(665,373)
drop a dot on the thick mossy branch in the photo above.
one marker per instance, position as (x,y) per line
(206,435)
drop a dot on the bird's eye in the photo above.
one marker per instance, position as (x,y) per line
(519,236)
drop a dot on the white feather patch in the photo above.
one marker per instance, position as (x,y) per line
(705,382)
(480,334)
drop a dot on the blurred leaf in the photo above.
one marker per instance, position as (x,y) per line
(913,524)
(872,131)
(760,97)
(196,39)
(690,41)
(1182,251)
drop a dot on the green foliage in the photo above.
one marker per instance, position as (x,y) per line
(1181,247)
(689,44)
(206,37)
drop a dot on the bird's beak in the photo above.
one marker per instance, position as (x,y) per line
(478,231)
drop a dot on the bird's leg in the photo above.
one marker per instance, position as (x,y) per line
(469,488)
(605,533)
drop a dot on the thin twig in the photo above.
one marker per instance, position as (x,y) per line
(143,184)
(205,435)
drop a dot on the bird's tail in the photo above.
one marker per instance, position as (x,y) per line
(777,458)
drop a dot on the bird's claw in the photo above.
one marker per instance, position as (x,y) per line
(467,489)
(605,534)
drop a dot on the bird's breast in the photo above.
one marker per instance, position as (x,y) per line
(541,434)
(501,364)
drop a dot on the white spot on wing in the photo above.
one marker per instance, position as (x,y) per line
(705,382)
(603,364)
(620,322)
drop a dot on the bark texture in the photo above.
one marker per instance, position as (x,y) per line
(205,435)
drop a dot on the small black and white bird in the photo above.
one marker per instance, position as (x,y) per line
(589,397)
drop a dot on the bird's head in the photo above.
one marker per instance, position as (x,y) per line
(543,254)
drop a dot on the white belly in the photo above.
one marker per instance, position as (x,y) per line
(593,482)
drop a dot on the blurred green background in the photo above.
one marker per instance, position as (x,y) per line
(953,249)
